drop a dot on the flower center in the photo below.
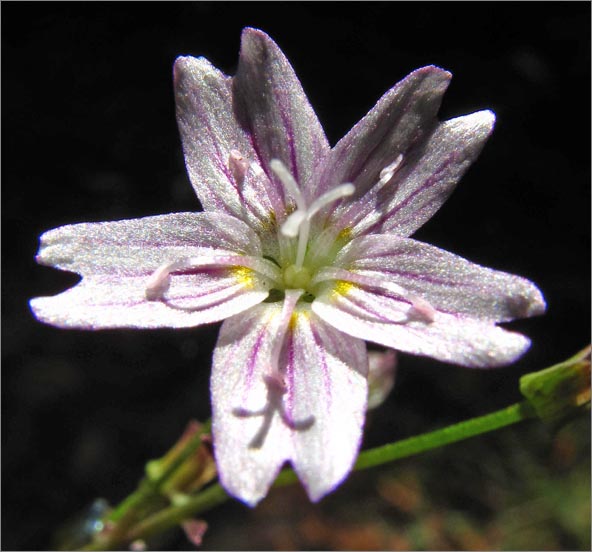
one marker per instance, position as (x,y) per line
(297,278)
(298,223)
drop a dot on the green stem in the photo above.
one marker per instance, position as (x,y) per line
(149,487)
(144,499)
(551,394)
(440,437)
(174,515)
(215,494)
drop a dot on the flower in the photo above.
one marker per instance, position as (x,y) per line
(303,249)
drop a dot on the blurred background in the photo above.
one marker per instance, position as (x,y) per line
(89,134)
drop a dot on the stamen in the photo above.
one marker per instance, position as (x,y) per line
(238,166)
(388,172)
(288,305)
(159,282)
(418,304)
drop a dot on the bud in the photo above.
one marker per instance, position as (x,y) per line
(193,472)
(561,390)
(381,376)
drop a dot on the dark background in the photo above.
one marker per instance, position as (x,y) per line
(89,134)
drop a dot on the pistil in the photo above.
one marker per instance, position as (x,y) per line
(298,223)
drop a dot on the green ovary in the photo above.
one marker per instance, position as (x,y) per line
(296,278)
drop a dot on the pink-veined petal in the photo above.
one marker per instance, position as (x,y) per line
(104,301)
(446,281)
(222,164)
(399,121)
(316,423)
(117,260)
(423,181)
(242,358)
(394,323)
(140,246)
(273,106)
(329,371)
(209,133)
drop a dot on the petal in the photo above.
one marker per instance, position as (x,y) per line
(209,132)
(101,302)
(402,118)
(325,377)
(116,260)
(427,175)
(140,246)
(450,338)
(273,106)
(242,358)
(222,164)
(329,371)
(446,281)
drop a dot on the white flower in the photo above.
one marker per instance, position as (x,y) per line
(304,250)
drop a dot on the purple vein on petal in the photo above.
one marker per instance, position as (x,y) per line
(323,355)
(289,375)
(364,307)
(220,158)
(252,361)
(424,277)
(390,214)
(287,122)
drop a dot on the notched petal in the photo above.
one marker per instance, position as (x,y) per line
(309,413)
(105,302)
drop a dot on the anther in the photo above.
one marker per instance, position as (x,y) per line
(159,281)
(389,171)
(238,166)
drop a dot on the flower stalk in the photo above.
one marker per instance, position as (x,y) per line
(565,385)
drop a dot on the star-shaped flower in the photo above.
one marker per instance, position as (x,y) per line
(303,249)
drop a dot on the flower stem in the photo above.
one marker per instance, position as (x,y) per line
(144,499)
(215,494)
(169,517)
(440,437)
(150,486)
(567,384)
(434,439)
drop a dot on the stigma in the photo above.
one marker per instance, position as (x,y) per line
(298,223)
